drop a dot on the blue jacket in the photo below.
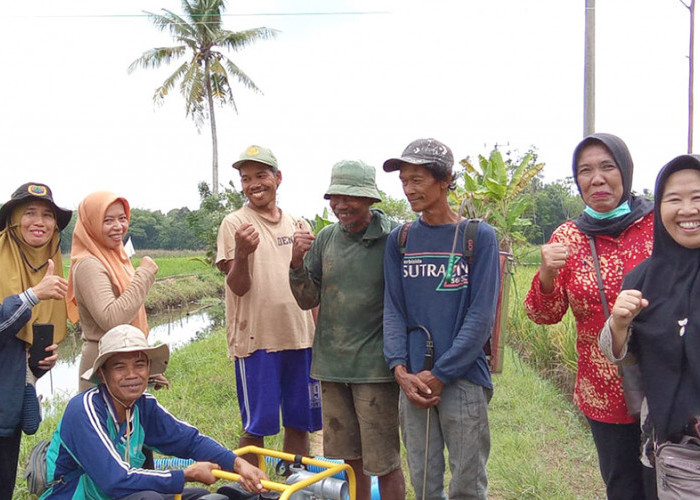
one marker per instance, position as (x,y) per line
(89,440)
(15,311)
(458,310)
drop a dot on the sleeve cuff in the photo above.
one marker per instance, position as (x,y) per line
(29,297)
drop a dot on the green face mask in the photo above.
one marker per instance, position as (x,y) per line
(623,209)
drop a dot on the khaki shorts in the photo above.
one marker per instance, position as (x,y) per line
(362,421)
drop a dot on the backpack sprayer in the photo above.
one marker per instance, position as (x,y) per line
(301,484)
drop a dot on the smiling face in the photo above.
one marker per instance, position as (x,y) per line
(260,185)
(126,375)
(680,207)
(422,190)
(114,225)
(352,211)
(599,178)
(38,223)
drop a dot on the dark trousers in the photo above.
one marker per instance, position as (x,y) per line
(618,448)
(187,494)
(650,484)
(9,455)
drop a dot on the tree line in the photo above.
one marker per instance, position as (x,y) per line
(549,205)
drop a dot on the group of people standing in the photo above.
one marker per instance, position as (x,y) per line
(383,324)
(360,307)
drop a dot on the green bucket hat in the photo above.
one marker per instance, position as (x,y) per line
(257,153)
(353,178)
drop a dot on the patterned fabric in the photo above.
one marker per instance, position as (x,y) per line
(598,391)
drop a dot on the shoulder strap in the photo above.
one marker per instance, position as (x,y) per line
(470,232)
(469,238)
(403,236)
(599,276)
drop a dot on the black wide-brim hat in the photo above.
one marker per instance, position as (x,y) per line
(34,191)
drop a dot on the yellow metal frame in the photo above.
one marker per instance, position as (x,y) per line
(332,468)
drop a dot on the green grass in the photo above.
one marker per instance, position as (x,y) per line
(541,447)
(179,265)
(550,349)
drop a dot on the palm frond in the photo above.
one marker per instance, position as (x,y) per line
(235,71)
(236,40)
(169,83)
(154,58)
(168,20)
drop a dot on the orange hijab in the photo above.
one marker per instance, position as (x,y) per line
(19,274)
(87,242)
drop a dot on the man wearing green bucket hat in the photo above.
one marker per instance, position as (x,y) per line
(342,271)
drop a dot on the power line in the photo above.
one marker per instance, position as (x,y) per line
(252,14)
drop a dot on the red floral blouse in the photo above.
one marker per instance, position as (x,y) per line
(598,391)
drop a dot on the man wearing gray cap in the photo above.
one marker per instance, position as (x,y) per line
(439,309)
(341,270)
(269,336)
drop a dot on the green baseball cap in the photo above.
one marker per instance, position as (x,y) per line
(257,153)
(353,178)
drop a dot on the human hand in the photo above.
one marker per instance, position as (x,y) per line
(251,476)
(201,472)
(159,381)
(434,383)
(628,305)
(51,286)
(302,242)
(48,362)
(247,240)
(149,264)
(417,391)
(554,257)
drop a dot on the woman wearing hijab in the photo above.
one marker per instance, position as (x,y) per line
(104,290)
(656,318)
(618,225)
(32,290)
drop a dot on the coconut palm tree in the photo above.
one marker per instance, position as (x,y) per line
(206,75)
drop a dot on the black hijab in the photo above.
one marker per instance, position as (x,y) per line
(666,334)
(623,159)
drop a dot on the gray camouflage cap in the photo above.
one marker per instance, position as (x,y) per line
(427,152)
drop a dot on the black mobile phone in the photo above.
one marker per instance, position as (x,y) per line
(43,337)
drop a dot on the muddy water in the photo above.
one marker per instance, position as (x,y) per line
(62,381)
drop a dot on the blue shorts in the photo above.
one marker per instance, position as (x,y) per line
(268,381)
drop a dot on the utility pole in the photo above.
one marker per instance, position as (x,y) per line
(691,51)
(589,71)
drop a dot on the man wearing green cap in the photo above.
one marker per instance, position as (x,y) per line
(342,270)
(269,336)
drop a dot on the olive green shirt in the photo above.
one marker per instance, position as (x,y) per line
(344,273)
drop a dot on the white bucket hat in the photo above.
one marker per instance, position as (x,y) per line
(128,338)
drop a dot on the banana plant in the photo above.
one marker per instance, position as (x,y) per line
(319,222)
(493,191)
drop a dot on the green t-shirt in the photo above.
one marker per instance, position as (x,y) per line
(344,273)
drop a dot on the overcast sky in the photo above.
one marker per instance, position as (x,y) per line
(360,84)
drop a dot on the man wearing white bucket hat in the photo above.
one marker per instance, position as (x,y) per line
(97,449)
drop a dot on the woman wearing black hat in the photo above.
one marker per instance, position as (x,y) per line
(656,316)
(612,234)
(32,290)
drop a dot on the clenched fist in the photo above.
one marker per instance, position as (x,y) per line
(302,243)
(554,257)
(247,240)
